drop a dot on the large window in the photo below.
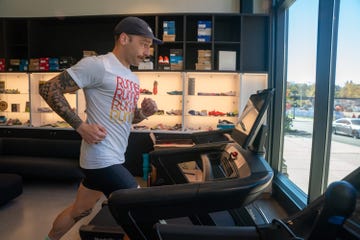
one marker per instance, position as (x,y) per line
(317,61)
(300,91)
(345,144)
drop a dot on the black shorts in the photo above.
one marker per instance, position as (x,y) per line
(108,179)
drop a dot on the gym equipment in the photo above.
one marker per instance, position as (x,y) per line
(324,218)
(221,170)
(327,217)
(207,160)
(102,226)
(330,216)
(245,177)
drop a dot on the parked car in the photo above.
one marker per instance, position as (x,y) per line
(347,126)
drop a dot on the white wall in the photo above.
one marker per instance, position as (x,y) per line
(48,8)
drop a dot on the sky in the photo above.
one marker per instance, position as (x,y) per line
(302,39)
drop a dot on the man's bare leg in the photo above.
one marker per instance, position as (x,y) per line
(84,202)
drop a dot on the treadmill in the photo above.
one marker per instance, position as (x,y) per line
(335,215)
(231,170)
(216,154)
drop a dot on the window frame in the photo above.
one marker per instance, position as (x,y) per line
(324,98)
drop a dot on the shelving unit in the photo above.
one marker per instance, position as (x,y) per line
(14,98)
(245,34)
(169,98)
(215,96)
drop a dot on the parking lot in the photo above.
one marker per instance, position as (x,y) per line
(344,157)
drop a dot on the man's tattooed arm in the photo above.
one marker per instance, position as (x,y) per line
(138,116)
(53,93)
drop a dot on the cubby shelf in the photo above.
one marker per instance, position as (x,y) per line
(246,34)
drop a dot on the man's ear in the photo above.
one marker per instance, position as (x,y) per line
(123,38)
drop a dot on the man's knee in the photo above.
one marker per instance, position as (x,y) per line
(82,214)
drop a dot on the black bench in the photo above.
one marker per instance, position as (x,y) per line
(10,187)
(35,158)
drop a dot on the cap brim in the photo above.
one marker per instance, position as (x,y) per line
(157,41)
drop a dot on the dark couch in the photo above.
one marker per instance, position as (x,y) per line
(35,158)
(10,187)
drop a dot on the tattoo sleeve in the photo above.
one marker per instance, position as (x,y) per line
(53,93)
(138,116)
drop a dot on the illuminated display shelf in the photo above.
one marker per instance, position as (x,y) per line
(187,101)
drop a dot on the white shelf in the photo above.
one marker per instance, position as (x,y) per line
(225,92)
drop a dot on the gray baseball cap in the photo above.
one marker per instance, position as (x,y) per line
(135,26)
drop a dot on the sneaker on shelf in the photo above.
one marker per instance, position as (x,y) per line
(177,126)
(174,92)
(232,114)
(203,113)
(174,112)
(216,113)
(160,112)
(224,121)
(145,91)
(160,60)
(192,112)
(230,93)
(178,112)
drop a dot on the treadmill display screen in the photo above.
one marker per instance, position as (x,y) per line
(191,171)
(252,117)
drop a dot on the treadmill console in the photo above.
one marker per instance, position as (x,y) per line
(191,171)
(228,163)
(237,160)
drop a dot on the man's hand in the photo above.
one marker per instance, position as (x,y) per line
(92,133)
(148,107)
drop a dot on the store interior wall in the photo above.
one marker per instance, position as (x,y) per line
(53,8)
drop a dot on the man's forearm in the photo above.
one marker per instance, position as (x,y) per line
(53,93)
(138,116)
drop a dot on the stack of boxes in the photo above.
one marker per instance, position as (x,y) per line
(49,64)
(24,65)
(53,64)
(204,60)
(18,65)
(204,31)
(37,64)
(44,64)
(89,53)
(34,64)
(169,31)
(66,62)
(176,59)
(2,64)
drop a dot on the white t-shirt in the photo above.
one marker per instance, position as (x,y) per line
(111,92)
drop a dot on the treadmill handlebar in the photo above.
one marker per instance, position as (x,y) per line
(169,201)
